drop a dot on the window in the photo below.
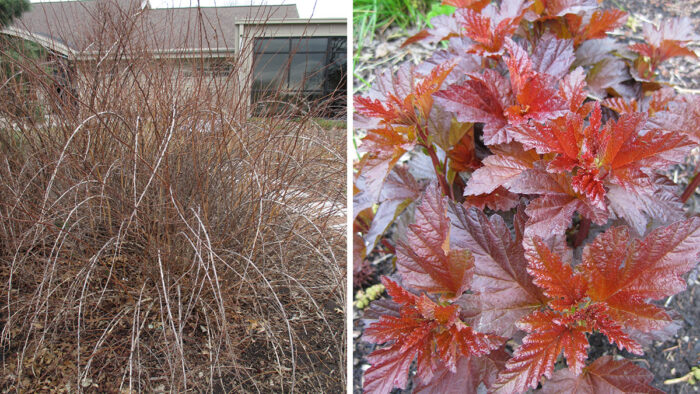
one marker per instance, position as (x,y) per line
(312,68)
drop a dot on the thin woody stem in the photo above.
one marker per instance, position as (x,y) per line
(442,178)
(582,233)
(691,187)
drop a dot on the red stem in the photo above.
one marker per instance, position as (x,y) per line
(582,233)
(691,187)
(389,247)
(459,182)
(442,178)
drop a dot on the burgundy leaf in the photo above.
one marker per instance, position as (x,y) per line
(682,116)
(456,53)
(398,191)
(505,288)
(553,56)
(425,261)
(507,163)
(389,369)
(626,273)
(383,149)
(659,201)
(470,373)
(482,98)
(605,375)
(547,338)
(572,89)
(536,98)
(606,74)
(498,200)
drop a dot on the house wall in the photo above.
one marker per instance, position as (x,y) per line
(203,79)
(238,51)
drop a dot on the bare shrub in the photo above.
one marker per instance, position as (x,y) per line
(155,236)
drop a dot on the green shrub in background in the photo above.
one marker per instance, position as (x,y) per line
(10,9)
(15,55)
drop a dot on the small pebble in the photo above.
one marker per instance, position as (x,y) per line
(382,50)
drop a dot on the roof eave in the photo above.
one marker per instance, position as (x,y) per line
(44,41)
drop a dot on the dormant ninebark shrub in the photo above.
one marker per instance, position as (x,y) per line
(153,234)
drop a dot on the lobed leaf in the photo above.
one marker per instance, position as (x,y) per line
(444,28)
(498,200)
(505,289)
(657,201)
(470,373)
(535,96)
(455,54)
(424,330)
(547,337)
(605,75)
(626,273)
(620,105)
(383,148)
(662,43)
(556,278)
(425,261)
(398,191)
(482,98)
(605,375)
(403,98)
(502,168)
(490,28)
(681,116)
(389,369)
(551,213)
(603,21)
(553,56)
(572,91)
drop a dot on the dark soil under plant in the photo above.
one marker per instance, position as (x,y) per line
(669,359)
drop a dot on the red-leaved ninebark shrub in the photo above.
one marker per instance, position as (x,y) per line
(532,113)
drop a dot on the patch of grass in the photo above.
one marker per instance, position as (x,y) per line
(324,123)
(372,16)
(330,124)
